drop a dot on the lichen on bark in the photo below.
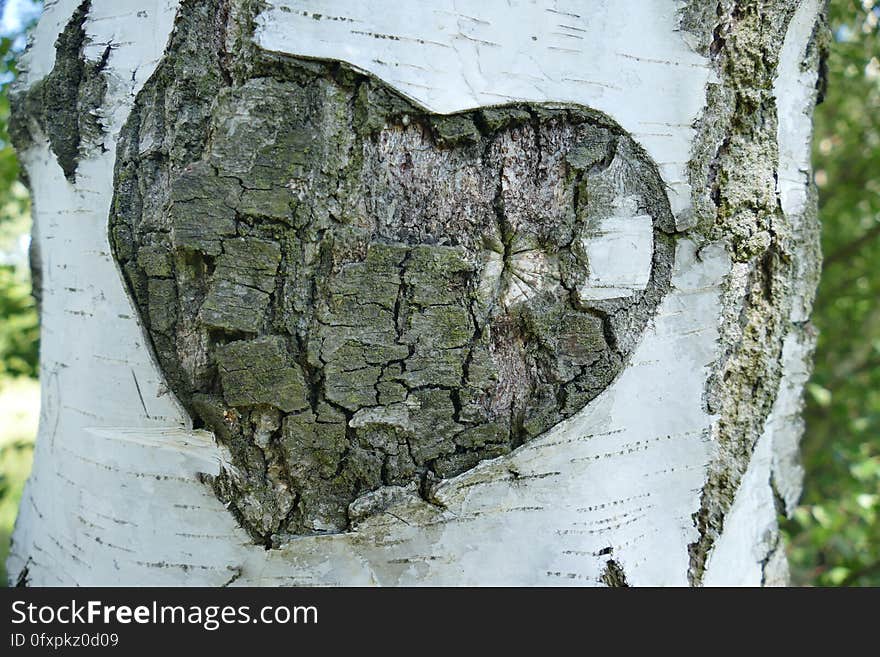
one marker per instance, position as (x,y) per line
(353,293)
(733,171)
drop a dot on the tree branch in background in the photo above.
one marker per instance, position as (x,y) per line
(852,248)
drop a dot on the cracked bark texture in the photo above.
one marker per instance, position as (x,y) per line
(351,292)
(404,312)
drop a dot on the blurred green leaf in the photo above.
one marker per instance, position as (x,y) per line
(834,537)
(19,331)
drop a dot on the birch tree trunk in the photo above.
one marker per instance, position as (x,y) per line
(436,292)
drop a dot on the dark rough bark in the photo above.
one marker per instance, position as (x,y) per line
(733,172)
(613,575)
(328,273)
(65,104)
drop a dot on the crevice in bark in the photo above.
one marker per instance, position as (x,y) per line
(613,575)
(236,575)
(23,581)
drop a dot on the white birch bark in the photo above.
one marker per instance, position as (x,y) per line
(116,496)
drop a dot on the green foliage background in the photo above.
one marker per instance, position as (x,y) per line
(834,536)
(19,330)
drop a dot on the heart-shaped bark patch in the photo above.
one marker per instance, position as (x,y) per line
(353,293)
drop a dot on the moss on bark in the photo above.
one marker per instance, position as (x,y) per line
(733,172)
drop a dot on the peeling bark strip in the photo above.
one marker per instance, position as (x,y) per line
(65,104)
(354,293)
